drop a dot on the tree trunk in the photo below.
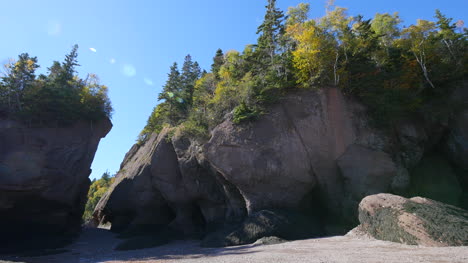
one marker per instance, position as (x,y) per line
(422,63)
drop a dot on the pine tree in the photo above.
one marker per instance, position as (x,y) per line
(170,93)
(218,61)
(270,31)
(190,73)
(70,63)
(54,71)
(66,69)
(270,66)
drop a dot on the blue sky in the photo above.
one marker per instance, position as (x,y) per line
(137,41)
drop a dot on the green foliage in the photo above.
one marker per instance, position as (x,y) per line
(244,113)
(18,77)
(397,73)
(384,225)
(156,121)
(298,14)
(444,223)
(97,189)
(57,99)
(194,129)
(190,73)
(178,96)
(218,61)
(270,32)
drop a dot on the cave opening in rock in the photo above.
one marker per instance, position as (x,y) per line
(198,220)
(314,205)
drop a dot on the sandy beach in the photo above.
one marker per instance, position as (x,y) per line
(96,245)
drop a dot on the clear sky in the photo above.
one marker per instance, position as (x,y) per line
(134,43)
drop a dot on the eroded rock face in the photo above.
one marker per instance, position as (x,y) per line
(365,172)
(435,178)
(44,176)
(415,221)
(163,182)
(132,198)
(288,159)
(457,142)
(314,152)
(293,150)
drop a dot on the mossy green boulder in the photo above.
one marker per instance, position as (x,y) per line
(415,221)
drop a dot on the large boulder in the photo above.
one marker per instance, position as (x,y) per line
(44,176)
(415,221)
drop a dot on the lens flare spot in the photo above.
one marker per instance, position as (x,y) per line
(180,100)
(93,49)
(54,28)
(148,81)
(112,61)
(170,94)
(128,70)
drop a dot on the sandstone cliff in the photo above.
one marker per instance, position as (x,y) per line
(314,151)
(44,177)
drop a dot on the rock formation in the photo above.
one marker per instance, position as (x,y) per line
(315,151)
(44,177)
(415,221)
(163,182)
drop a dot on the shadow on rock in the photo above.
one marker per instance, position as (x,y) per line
(283,224)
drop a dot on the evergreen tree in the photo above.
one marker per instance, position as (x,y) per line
(171,92)
(70,63)
(190,73)
(270,66)
(55,70)
(270,31)
(218,61)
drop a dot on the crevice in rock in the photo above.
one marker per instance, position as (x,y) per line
(237,208)
(198,220)
(299,135)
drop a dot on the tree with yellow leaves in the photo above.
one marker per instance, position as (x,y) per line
(314,54)
(418,40)
(19,75)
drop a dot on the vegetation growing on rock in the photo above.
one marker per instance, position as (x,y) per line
(60,97)
(415,221)
(97,189)
(397,72)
